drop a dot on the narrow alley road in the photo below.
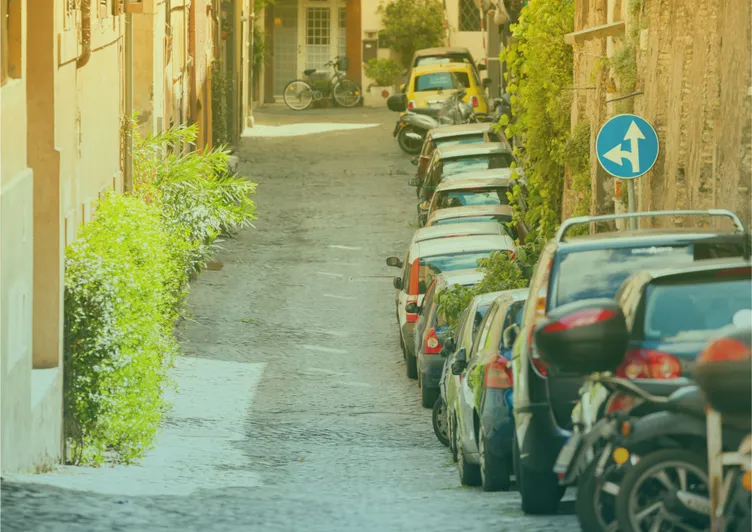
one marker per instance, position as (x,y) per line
(294,411)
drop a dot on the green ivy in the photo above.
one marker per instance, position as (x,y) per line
(221,95)
(577,159)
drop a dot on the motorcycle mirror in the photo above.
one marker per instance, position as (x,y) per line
(397,103)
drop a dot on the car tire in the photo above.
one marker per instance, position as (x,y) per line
(428,395)
(494,469)
(516,462)
(412,365)
(453,438)
(440,424)
(469,473)
(539,490)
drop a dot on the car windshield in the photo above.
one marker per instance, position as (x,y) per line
(441,81)
(471,163)
(600,272)
(442,60)
(470,197)
(430,267)
(456,141)
(684,309)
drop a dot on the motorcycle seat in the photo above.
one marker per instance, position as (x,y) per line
(309,71)
(689,399)
(428,112)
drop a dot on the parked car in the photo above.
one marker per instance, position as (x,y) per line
(462,134)
(465,333)
(455,230)
(571,270)
(425,260)
(491,189)
(444,55)
(481,416)
(430,332)
(453,160)
(480,213)
(429,86)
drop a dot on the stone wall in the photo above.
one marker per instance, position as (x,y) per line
(692,83)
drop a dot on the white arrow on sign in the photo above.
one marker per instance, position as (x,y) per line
(617,155)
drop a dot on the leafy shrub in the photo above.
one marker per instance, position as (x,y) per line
(194,191)
(411,25)
(126,278)
(383,71)
(221,95)
(123,286)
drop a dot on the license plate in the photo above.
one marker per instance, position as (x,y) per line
(566,454)
(435,105)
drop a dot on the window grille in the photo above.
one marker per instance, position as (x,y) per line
(469,16)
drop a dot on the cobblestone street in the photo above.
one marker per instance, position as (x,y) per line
(293,411)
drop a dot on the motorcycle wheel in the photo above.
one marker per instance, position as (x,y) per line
(595,503)
(409,146)
(648,494)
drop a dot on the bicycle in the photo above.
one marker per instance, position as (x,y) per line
(300,94)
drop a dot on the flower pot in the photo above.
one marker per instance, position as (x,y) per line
(377,96)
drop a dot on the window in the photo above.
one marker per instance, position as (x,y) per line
(342,50)
(469,16)
(470,163)
(442,59)
(10,61)
(441,81)
(461,198)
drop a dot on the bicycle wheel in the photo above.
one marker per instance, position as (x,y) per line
(346,93)
(298,95)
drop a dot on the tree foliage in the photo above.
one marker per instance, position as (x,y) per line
(411,25)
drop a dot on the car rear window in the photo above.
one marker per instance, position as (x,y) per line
(441,81)
(687,309)
(600,272)
(472,197)
(501,218)
(442,59)
(464,139)
(430,267)
(471,163)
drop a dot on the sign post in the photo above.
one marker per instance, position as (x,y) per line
(627,147)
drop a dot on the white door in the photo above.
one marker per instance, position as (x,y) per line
(322,34)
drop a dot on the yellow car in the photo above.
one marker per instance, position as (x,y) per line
(430,85)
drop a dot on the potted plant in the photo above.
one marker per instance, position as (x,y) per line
(384,73)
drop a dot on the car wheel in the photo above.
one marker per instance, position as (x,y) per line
(453,438)
(516,462)
(494,470)
(540,490)
(469,473)
(412,365)
(428,395)
(440,425)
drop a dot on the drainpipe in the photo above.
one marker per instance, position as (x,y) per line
(85,33)
(128,170)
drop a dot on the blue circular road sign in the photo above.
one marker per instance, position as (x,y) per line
(627,146)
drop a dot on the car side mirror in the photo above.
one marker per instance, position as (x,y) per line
(394,262)
(414,161)
(486,82)
(413,308)
(450,345)
(460,362)
(397,103)
(424,206)
(397,282)
(481,67)
(510,335)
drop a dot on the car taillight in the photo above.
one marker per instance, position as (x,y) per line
(474,101)
(724,349)
(411,104)
(649,364)
(432,345)
(579,319)
(619,402)
(498,374)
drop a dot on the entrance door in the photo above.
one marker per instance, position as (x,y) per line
(323,33)
(285,44)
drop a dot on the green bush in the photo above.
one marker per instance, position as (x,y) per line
(126,278)
(411,25)
(221,96)
(383,71)
(123,286)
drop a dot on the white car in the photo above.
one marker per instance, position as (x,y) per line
(424,261)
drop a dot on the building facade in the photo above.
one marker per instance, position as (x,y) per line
(71,71)
(303,34)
